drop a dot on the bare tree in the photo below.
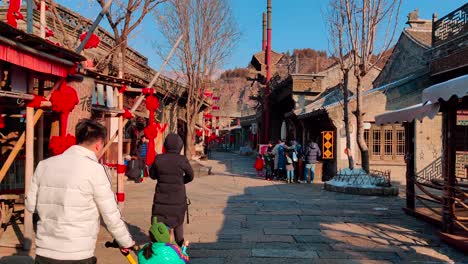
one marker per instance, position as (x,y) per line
(124,17)
(361,31)
(208,35)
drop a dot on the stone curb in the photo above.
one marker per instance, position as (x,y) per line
(378,191)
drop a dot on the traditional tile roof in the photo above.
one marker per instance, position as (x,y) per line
(422,37)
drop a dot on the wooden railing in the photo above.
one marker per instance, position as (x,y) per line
(450,26)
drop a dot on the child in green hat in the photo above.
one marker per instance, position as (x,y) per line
(161,249)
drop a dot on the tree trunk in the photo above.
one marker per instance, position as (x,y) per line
(122,58)
(174,118)
(360,127)
(346,119)
(189,146)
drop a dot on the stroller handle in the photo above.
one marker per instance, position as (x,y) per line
(129,257)
(114,244)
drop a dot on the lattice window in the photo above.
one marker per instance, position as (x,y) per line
(388,142)
(400,142)
(376,142)
(385,142)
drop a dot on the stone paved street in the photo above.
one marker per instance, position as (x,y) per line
(236,218)
(241,219)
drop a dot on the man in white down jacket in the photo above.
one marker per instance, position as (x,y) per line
(68,192)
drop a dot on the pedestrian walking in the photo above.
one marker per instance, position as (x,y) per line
(289,167)
(311,156)
(280,159)
(259,165)
(297,160)
(135,168)
(172,171)
(269,163)
(68,192)
(143,147)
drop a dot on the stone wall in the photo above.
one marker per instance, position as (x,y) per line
(428,142)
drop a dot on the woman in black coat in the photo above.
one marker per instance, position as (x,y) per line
(172,171)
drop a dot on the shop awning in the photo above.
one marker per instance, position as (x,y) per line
(408,114)
(444,91)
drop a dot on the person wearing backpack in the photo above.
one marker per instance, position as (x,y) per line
(311,155)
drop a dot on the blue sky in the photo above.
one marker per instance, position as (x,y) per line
(296,24)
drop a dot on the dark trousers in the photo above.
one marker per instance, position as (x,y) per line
(44,260)
(179,234)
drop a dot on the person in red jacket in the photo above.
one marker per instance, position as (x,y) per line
(259,164)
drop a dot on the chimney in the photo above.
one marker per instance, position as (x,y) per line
(264,38)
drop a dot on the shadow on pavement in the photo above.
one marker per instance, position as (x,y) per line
(281,223)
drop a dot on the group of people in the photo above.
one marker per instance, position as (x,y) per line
(284,162)
(70,191)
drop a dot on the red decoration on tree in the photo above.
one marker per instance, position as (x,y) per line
(93,41)
(36,101)
(208,93)
(14,13)
(208,116)
(215,98)
(199,132)
(217,118)
(147,91)
(59,144)
(215,107)
(123,89)
(127,114)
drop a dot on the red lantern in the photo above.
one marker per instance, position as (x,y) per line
(208,93)
(216,98)
(208,116)
(215,107)
(64,101)
(59,144)
(93,41)
(199,132)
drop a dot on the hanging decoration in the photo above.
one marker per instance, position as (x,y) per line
(93,41)
(48,32)
(199,132)
(14,13)
(215,107)
(38,6)
(208,93)
(216,98)
(123,89)
(36,101)
(63,101)
(127,114)
(153,129)
(208,116)
(2,122)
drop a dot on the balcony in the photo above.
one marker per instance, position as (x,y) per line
(450,42)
